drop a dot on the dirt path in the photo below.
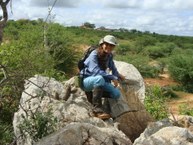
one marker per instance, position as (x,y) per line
(184,98)
(173,104)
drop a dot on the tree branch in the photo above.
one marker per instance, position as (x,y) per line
(4,73)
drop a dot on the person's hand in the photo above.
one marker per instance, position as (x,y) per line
(115,82)
(121,77)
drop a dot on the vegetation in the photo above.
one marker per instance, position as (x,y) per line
(42,124)
(181,68)
(186,109)
(155,103)
(35,47)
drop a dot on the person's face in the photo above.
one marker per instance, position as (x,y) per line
(108,48)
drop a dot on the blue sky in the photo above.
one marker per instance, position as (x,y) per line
(171,17)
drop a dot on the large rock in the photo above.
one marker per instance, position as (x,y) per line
(165,133)
(42,94)
(85,133)
(68,104)
(134,121)
(134,82)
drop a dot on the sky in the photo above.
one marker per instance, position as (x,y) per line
(170,17)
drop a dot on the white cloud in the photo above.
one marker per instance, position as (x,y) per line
(161,16)
(122,4)
(150,4)
(58,3)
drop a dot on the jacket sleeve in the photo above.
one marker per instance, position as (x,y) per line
(93,69)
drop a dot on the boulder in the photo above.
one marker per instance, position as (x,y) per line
(85,133)
(134,121)
(165,133)
(68,105)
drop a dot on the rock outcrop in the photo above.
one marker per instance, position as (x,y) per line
(165,133)
(74,123)
(85,133)
(133,122)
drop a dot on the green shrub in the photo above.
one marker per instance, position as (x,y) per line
(186,109)
(141,63)
(159,50)
(6,133)
(155,103)
(168,92)
(42,124)
(181,69)
(61,48)
(8,106)
(122,49)
(145,40)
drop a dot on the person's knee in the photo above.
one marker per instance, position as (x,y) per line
(99,81)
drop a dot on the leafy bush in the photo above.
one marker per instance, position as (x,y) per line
(186,109)
(122,49)
(146,40)
(6,133)
(181,69)
(141,63)
(7,107)
(155,103)
(42,124)
(61,49)
(159,50)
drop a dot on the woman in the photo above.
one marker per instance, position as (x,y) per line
(100,74)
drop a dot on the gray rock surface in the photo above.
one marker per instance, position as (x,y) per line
(85,133)
(165,133)
(133,122)
(68,104)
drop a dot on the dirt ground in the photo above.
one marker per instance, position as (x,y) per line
(173,104)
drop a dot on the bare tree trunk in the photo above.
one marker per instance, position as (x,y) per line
(4,18)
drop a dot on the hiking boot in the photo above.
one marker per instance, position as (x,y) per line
(97,102)
(97,110)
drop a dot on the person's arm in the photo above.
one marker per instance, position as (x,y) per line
(114,69)
(92,66)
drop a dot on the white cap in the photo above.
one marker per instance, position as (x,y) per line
(108,39)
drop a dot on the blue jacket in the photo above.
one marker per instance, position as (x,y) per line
(92,67)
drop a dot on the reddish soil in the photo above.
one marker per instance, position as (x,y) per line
(173,104)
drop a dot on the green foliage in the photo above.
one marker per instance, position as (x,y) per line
(168,92)
(141,62)
(42,124)
(155,103)
(186,109)
(6,133)
(61,49)
(23,57)
(7,107)
(181,69)
(142,42)
(122,49)
(159,50)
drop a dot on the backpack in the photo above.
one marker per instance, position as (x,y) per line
(86,54)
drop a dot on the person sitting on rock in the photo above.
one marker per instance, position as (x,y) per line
(100,75)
